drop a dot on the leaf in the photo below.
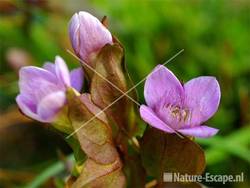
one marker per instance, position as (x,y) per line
(162,152)
(97,175)
(46,174)
(61,122)
(105,21)
(79,155)
(134,171)
(235,144)
(95,137)
(69,182)
(110,64)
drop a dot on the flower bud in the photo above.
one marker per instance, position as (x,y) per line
(88,35)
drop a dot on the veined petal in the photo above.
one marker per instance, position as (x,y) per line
(202,98)
(27,107)
(76,78)
(162,86)
(151,118)
(62,71)
(74,32)
(199,131)
(88,34)
(51,105)
(44,89)
(93,34)
(31,78)
(27,74)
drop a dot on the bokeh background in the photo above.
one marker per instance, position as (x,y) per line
(215,35)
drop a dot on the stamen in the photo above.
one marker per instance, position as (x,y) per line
(181,115)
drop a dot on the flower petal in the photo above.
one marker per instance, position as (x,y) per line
(151,118)
(50,67)
(76,78)
(29,73)
(51,105)
(162,86)
(202,98)
(74,32)
(199,131)
(62,71)
(165,113)
(32,78)
(27,107)
(88,34)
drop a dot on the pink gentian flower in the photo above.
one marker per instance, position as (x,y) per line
(88,35)
(172,106)
(42,90)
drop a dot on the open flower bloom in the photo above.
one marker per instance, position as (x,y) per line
(87,34)
(42,90)
(172,106)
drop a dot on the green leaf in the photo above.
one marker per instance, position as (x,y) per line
(79,155)
(61,122)
(47,173)
(162,152)
(235,144)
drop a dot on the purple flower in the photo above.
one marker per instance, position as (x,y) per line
(183,108)
(42,90)
(87,35)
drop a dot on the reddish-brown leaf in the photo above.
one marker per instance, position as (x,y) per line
(162,152)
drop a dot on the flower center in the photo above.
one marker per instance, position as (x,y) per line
(179,115)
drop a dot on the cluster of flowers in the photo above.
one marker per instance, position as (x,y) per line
(171,106)
(53,94)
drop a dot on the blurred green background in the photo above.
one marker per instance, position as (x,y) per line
(215,35)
